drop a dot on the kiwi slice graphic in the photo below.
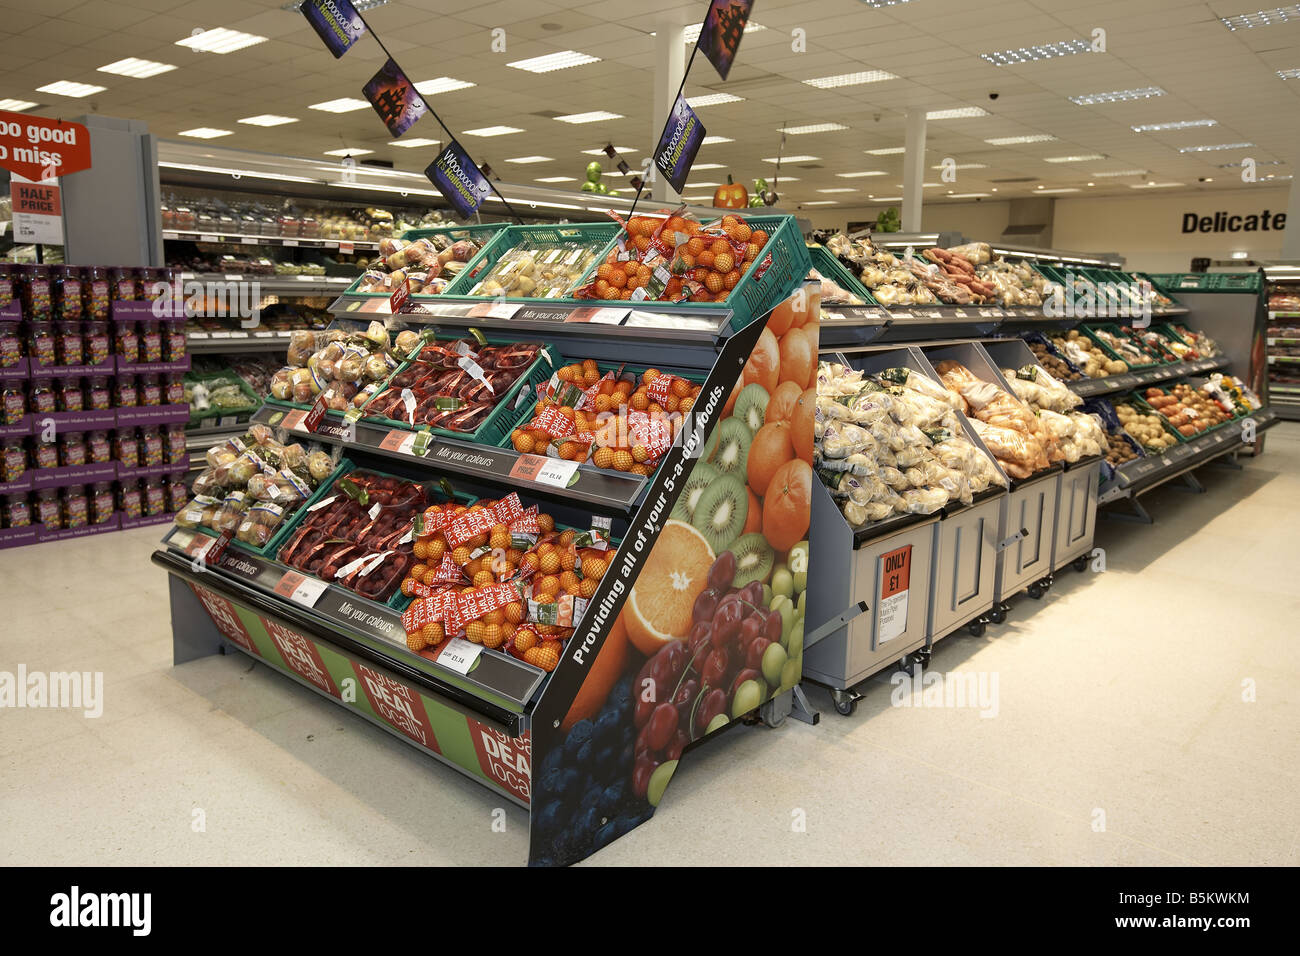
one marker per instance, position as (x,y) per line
(732,452)
(754,558)
(751,405)
(721,511)
(702,475)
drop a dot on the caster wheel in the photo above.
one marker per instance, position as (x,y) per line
(976,628)
(998,615)
(845,702)
(922,657)
(1035,590)
(1081,564)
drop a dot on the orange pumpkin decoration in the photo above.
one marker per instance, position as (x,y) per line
(731,196)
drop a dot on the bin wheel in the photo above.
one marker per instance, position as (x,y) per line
(1081,563)
(998,615)
(976,628)
(1036,590)
(922,656)
(845,702)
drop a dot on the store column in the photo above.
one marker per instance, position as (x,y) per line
(670,64)
(112,211)
(913,169)
(1291,238)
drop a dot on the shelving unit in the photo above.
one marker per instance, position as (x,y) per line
(501,721)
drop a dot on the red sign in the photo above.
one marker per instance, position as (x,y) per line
(399,296)
(507,761)
(317,412)
(36,199)
(224,617)
(300,655)
(38,148)
(400,706)
(896,569)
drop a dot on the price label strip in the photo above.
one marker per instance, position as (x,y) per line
(556,472)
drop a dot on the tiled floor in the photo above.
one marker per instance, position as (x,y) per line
(1120,701)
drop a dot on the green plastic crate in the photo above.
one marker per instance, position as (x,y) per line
(599,236)
(500,422)
(1090,328)
(830,266)
(1172,282)
(753,295)
(272,546)
(241,417)
(525,414)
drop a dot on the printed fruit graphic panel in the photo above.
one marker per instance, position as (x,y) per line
(712,625)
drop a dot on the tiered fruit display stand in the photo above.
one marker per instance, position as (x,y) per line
(695,623)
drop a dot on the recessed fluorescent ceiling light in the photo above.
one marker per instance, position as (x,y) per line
(493,131)
(963,166)
(1185,124)
(220,40)
(850,79)
(1120,172)
(1264,18)
(887,198)
(530,159)
(412,143)
(1292,74)
(702,185)
(838,190)
(267,119)
(813,128)
(869,172)
(1082,158)
(1211,149)
(1258,162)
(1117,96)
(136,68)
(1044,51)
(594,116)
(16,105)
(791,159)
(617,149)
(964,112)
(348,152)
(889,151)
(713,140)
(877,4)
(1019,140)
(692,34)
(554,61)
(820,202)
(969,195)
(556,179)
(709,166)
(713,99)
(924,185)
(65,88)
(1044,192)
(344,104)
(1152,185)
(443,84)
(204,132)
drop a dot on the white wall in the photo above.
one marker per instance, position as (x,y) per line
(1146,228)
(1148,231)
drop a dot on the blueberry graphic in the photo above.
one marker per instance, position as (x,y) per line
(604,758)
(568,783)
(553,760)
(608,727)
(606,834)
(550,818)
(586,822)
(552,780)
(584,755)
(611,797)
(579,734)
(591,797)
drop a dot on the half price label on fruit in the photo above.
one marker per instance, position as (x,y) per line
(300,589)
(556,472)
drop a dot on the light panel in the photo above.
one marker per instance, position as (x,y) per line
(1043,51)
(67,88)
(220,40)
(551,62)
(1021,140)
(850,79)
(204,132)
(137,68)
(594,116)
(1117,96)
(963,112)
(813,128)
(266,119)
(1184,124)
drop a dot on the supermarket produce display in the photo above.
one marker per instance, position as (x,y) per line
(486,484)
